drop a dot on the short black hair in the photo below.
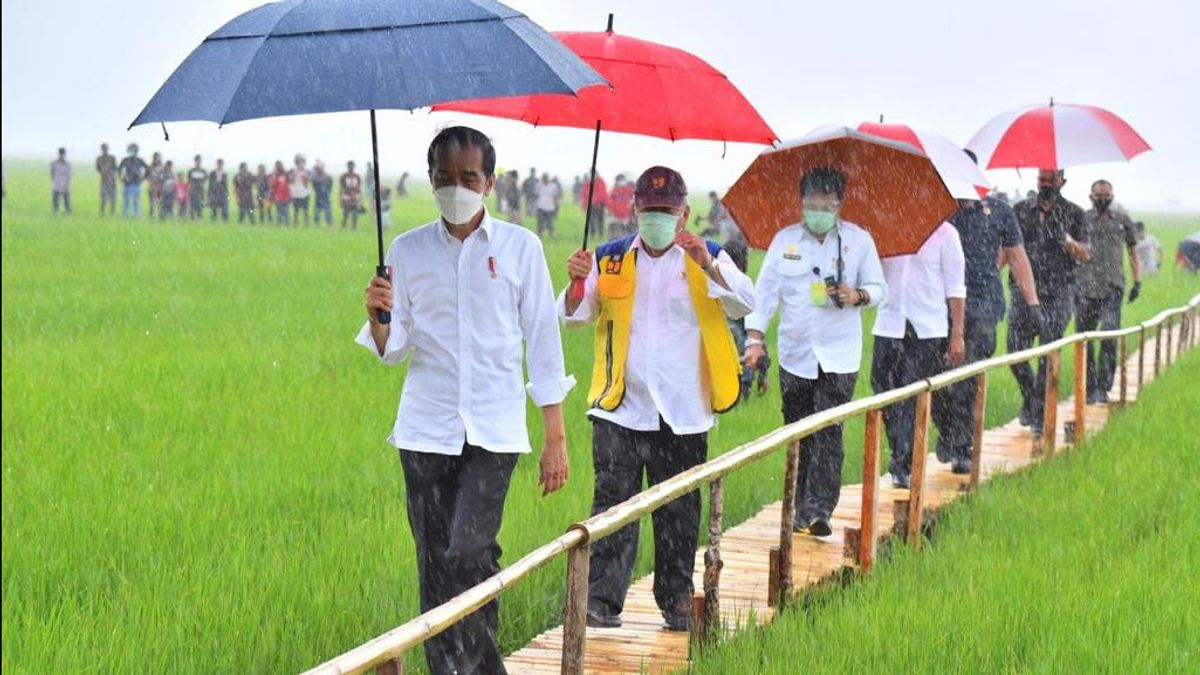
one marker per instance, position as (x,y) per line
(463,136)
(823,179)
(1101,182)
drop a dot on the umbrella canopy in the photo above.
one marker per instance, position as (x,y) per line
(892,189)
(656,91)
(1055,136)
(961,176)
(318,56)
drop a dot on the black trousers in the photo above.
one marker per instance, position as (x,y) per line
(620,457)
(954,406)
(897,362)
(819,478)
(455,505)
(1102,313)
(1022,330)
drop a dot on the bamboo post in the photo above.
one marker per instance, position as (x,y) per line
(1081,385)
(1141,359)
(870,490)
(711,615)
(1122,365)
(1157,348)
(391,667)
(1050,415)
(1170,325)
(977,431)
(575,611)
(917,481)
(786,520)
(773,577)
(852,545)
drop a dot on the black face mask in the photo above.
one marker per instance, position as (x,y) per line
(1102,204)
(1048,192)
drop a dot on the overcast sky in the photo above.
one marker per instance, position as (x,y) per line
(76,73)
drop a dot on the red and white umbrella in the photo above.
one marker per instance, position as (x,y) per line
(1055,136)
(962,177)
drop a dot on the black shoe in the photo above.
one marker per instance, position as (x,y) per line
(676,622)
(960,466)
(1026,417)
(1100,397)
(819,527)
(597,619)
(900,482)
(800,525)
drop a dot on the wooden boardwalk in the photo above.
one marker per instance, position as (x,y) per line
(642,645)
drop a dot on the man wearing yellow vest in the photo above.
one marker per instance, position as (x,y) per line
(665,361)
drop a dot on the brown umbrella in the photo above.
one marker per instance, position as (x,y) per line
(892,189)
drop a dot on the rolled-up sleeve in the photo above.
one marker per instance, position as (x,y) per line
(548,381)
(870,273)
(766,291)
(398,346)
(738,300)
(586,310)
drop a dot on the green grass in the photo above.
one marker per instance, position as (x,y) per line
(1086,564)
(195,476)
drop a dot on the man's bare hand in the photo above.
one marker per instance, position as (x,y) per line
(695,246)
(378,297)
(553,466)
(579,265)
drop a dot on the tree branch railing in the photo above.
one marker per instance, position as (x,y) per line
(385,651)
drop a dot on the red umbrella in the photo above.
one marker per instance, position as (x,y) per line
(655,90)
(1055,136)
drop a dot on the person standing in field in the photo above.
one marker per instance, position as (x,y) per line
(156,178)
(106,166)
(243,189)
(513,200)
(596,193)
(914,340)
(820,272)
(1056,235)
(218,193)
(665,363)
(1148,250)
(133,172)
(984,227)
(322,184)
(299,181)
(547,206)
(182,188)
(262,184)
(1101,280)
(469,295)
(281,193)
(620,205)
(166,200)
(196,179)
(529,190)
(350,185)
(60,182)
(402,186)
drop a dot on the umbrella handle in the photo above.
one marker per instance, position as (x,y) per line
(576,291)
(383,316)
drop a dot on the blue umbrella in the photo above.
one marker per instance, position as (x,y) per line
(318,56)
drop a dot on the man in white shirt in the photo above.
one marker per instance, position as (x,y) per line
(468,293)
(912,338)
(820,273)
(298,182)
(665,362)
(547,205)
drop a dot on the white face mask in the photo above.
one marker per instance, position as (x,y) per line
(457,204)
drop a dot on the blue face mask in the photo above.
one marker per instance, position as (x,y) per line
(657,229)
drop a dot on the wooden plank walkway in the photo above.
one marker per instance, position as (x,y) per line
(642,645)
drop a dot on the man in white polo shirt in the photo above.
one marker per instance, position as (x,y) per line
(819,273)
(913,339)
(468,295)
(665,362)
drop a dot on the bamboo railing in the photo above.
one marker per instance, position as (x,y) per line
(384,652)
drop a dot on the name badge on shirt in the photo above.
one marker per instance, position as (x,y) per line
(817,296)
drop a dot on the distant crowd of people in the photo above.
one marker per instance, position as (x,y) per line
(286,196)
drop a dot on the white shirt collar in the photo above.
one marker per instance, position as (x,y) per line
(485,226)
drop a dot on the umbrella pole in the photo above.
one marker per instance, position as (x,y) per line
(381,270)
(576,292)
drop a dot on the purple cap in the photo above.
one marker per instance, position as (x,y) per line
(660,186)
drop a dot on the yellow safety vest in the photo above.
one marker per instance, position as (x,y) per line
(616,284)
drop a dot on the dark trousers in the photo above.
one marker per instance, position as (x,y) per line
(64,197)
(455,505)
(954,406)
(245,212)
(196,204)
(1022,330)
(545,222)
(620,457)
(218,208)
(819,478)
(897,362)
(1103,313)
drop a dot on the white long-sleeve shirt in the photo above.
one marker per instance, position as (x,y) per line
(463,310)
(920,284)
(816,337)
(663,368)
